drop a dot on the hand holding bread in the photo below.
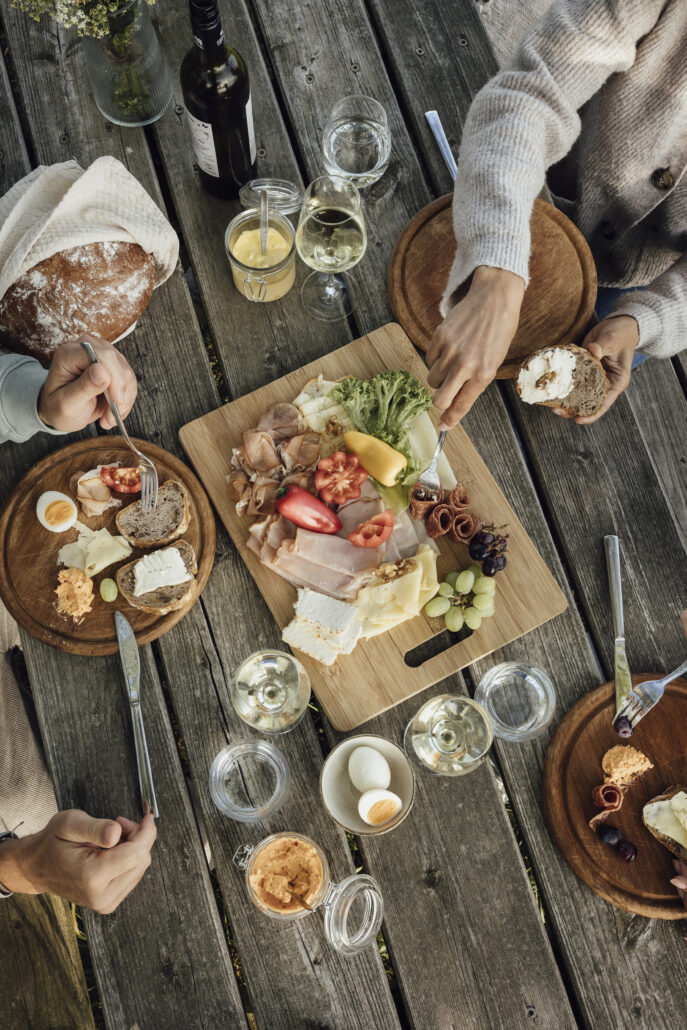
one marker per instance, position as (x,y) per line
(73,394)
(612,342)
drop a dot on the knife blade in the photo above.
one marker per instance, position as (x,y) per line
(131,667)
(623,679)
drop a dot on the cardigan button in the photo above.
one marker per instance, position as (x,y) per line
(608,230)
(662,179)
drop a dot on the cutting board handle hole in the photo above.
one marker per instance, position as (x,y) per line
(437,644)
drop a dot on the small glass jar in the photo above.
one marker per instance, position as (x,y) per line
(249,780)
(353,909)
(284,196)
(261,285)
(520,699)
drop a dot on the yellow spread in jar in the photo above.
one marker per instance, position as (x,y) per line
(262,284)
(57,512)
(284,871)
(74,594)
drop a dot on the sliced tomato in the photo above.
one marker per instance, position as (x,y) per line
(306,510)
(123,480)
(374,532)
(338,479)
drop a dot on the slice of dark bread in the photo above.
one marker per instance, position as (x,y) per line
(170,519)
(164,599)
(590,384)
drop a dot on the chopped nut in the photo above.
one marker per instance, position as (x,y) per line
(548,377)
(394,570)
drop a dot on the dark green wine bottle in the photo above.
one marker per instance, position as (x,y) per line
(216,91)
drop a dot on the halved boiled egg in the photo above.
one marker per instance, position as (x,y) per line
(376,807)
(56,511)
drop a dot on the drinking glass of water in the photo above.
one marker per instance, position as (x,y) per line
(357,141)
(449,736)
(271,690)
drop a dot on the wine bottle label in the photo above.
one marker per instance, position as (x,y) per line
(251,130)
(203,144)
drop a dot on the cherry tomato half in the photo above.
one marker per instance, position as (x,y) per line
(374,532)
(306,511)
(338,479)
(123,480)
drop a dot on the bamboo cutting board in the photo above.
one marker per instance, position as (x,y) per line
(573,768)
(558,302)
(375,676)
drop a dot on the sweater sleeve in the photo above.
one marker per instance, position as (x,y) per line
(661,312)
(21,379)
(526,118)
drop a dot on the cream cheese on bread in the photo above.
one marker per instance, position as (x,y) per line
(547,376)
(160,569)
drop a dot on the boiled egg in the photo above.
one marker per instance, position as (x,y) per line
(368,769)
(56,511)
(376,807)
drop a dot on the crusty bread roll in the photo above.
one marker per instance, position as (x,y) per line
(98,288)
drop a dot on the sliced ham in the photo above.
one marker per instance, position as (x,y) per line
(263,496)
(300,452)
(282,421)
(335,553)
(303,573)
(353,513)
(403,536)
(257,533)
(304,479)
(279,530)
(259,451)
(239,489)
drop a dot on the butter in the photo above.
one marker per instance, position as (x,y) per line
(261,277)
(246,248)
(547,376)
(160,569)
(669,817)
(93,550)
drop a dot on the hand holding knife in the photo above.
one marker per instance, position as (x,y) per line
(131,665)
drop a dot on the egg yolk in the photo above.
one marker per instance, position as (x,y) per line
(57,512)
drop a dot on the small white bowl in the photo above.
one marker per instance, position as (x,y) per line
(339,796)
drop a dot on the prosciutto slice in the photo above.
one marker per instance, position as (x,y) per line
(239,489)
(259,451)
(282,421)
(300,452)
(263,496)
(609,798)
(304,479)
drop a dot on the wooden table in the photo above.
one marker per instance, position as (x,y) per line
(470,944)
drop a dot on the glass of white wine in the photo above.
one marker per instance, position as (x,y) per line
(449,736)
(271,691)
(330,238)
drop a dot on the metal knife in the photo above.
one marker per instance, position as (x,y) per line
(131,665)
(623,680)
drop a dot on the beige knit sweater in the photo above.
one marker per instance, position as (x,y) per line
(597,88)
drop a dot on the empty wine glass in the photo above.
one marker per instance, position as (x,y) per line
(449,736)
(357,142)
(330,238)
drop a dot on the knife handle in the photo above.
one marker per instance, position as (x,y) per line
(615,584)
(145,776)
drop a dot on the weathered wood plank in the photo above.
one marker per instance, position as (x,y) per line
(42,983)
(149,968)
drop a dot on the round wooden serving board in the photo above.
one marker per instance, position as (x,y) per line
(573,768)
(28,551)
(558,302)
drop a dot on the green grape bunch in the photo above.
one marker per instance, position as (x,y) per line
(463,598)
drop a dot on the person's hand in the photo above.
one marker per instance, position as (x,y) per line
(679,882)
(72,395)
(472,341)
(92,862)
(613,342)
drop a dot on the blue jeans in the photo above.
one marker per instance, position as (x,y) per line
(605,299)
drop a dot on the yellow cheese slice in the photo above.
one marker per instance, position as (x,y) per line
(427,558)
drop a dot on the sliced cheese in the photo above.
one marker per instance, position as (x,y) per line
(382,606)
(93,550)
(427,557)
(678,803)
(663,816)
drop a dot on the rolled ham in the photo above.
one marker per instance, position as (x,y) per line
(609,798)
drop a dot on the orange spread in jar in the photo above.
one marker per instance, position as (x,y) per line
(57,512)
(74,594)
(284,871)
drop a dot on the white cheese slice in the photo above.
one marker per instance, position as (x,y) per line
(160,569)
(93,550)
(678,803)
(301,636)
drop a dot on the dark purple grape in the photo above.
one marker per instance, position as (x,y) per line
(478,551)
(483,537)
(623,727)
(500,562)
(609,835)
(489,567)
(627,851)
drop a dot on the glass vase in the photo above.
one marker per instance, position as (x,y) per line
(129,76)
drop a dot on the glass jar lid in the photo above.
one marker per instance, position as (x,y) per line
(284,196)
(249,780)
(353,913)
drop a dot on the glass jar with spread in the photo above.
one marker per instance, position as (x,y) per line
(261,277)
(287,877)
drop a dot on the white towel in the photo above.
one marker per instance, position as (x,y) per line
(62,206)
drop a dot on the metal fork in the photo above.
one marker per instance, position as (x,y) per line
(149,483)
(644,696)
(429,480)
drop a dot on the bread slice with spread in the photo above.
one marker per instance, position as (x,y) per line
(566,377)
(665,817)
(161,581)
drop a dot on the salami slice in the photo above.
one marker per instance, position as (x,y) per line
(458,498)
(421,503)
(465,525)
(439,521)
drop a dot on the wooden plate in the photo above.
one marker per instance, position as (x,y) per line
(558,302)
(573,768)
(376,675)
(28,552)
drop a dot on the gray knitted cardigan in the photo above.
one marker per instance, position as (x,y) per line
(599,89)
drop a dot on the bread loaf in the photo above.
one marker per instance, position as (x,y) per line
(98,288)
